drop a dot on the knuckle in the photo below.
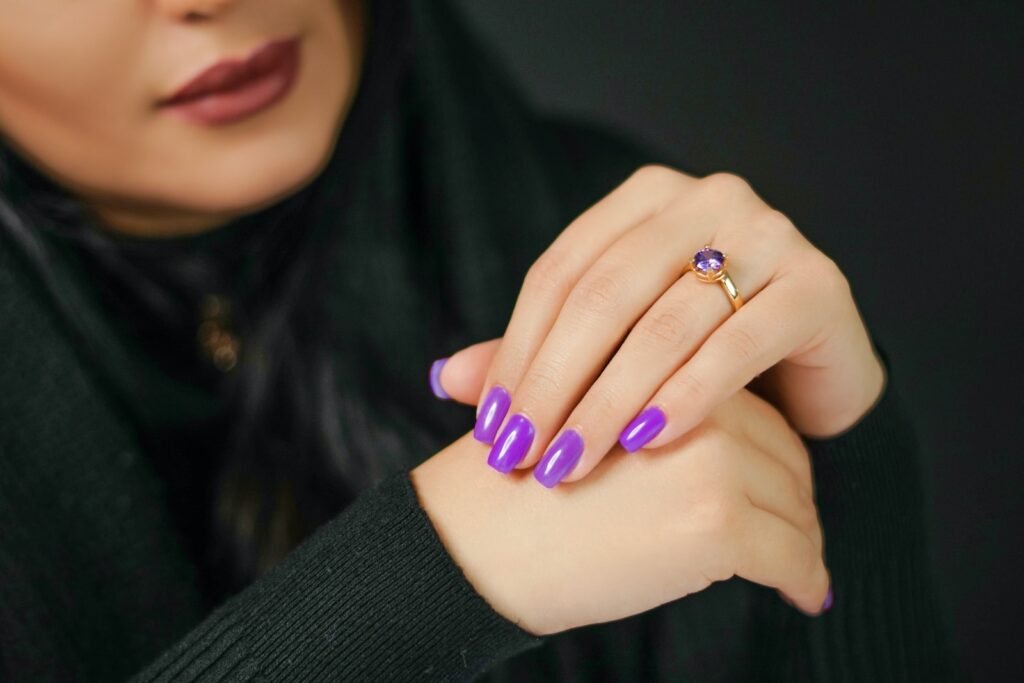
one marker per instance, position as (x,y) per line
(692,389)
(717,444)
(603,406)
(598,293)
(670,327)
(794,452)
(808,513)
(542,381)
(718,514)
(726,186)
(659,175)
(548,275)
(813,530)
(739,343)
(809,563)
(773,222)
(714,459)
(828,278)
(806,499)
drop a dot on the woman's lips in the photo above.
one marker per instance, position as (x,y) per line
(231,90)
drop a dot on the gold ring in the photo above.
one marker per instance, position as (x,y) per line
(709,266)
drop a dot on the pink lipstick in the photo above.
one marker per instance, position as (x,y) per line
(235,89)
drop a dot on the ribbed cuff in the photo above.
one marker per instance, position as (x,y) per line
(868,484)
(372,596)
(888,622)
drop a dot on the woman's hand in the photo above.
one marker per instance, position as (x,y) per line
(732,497)
(608,342)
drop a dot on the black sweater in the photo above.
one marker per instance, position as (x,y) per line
(98,582)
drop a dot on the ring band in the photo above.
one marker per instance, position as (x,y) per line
(709,266)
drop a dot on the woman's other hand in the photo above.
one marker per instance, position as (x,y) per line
(609,341)
(732,497)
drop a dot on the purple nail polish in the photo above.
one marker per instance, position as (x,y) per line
(491,414)
(829,599)
(435,378)
(512,445)
(642,429)
(560,458)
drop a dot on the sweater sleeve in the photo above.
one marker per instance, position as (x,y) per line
(887,622)
(371,596)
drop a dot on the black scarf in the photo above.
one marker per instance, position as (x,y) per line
(413,241)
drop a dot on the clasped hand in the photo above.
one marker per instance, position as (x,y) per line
(609,330)
(610,340)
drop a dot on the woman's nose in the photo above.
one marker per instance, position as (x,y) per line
(193,9)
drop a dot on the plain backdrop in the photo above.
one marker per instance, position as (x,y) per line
(891,135)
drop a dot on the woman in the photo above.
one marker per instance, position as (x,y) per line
(235,235)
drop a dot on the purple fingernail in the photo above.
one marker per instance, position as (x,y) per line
(829,599)
(435,378)
(642,429)
(512,445)
(491,414)
(560,458)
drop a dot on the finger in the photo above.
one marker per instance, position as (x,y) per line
(553,275)
(768,430)
(666,335)
(779,321)
(772,487)
(607,301)
(771,437)
(775,553)
(460,376)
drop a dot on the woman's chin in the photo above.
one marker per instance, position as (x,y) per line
(205,196)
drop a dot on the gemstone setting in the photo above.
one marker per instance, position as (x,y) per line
(708,262)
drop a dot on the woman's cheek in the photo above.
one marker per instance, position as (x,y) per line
(70,80)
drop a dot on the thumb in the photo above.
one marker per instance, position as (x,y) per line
(461,376)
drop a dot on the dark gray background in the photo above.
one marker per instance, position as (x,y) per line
(892,137)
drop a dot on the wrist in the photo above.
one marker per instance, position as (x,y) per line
(454,488)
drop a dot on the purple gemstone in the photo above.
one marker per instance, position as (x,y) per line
(708,259)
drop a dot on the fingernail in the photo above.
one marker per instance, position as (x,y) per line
(829,599)
(512,445)
(435,378)
(492,412)
(560,458)
(642,429)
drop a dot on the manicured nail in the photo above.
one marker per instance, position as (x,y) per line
(642,429)
(435,378)
(512,445)
(491,414)
(829,599)
(560,458)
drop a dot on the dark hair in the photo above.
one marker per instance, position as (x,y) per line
(293,438)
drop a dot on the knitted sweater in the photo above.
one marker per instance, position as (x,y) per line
(96,584)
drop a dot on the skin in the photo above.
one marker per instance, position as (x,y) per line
(607,323)
(733,497)
(79,80)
